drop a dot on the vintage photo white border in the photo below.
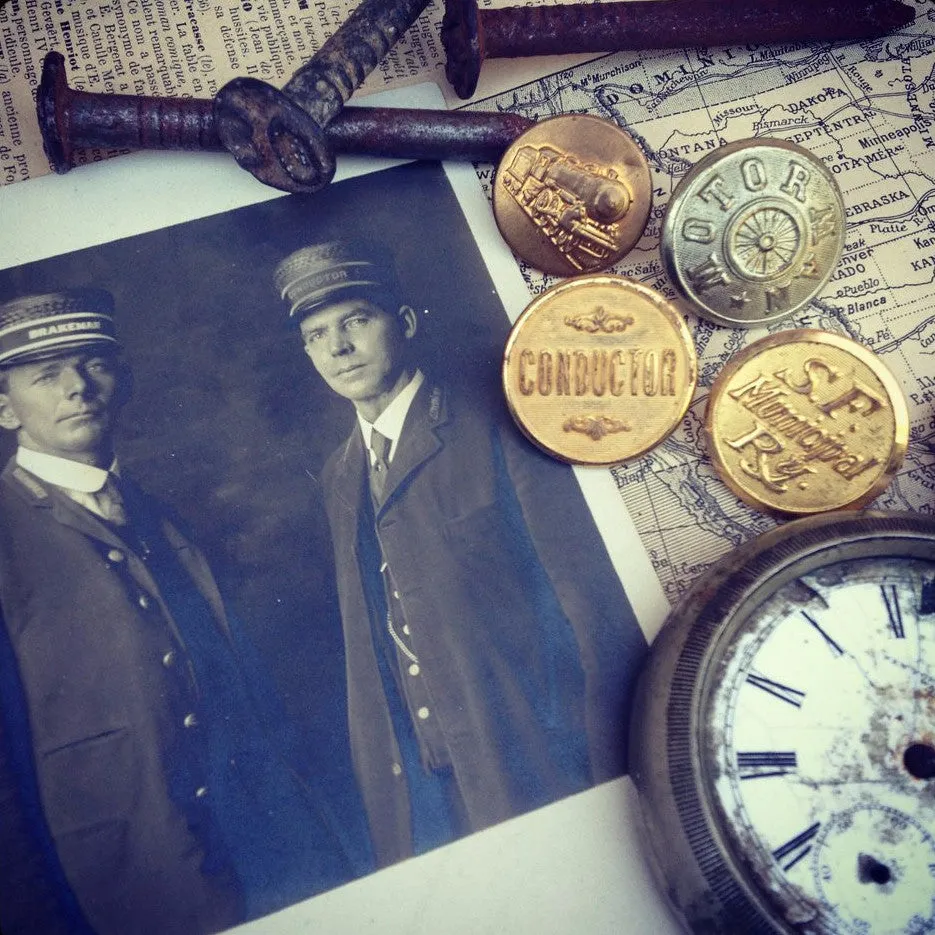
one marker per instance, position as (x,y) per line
(576,865)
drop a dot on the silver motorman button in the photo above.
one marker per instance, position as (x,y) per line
(753,232)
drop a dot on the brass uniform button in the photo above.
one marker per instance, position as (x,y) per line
(806,421)
(572,194)
(599,369)
(753,232)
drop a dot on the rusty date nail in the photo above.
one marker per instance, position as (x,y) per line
(72,120)
(470,35)
(279,135)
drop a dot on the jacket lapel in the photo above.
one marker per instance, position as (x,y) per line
(349,474)
(419,440)
(67,512)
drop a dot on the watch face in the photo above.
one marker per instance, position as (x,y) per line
(783,736)
(818,739)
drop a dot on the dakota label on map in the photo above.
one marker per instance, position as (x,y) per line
(866,111)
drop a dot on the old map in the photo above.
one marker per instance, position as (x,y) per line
(867,110)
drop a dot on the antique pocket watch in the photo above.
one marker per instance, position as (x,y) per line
(784,733)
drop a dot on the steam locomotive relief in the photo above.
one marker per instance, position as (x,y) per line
(577,206)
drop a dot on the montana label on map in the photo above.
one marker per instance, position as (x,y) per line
(753,232)
(806,421)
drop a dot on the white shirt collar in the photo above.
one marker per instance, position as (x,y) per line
(390,422)
(72,475)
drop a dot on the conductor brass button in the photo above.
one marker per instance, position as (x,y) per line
(115,556)
(168,660)
(599,369)
(753,232)
(414,669)
(805,421)
(396,769)
(190,721)
(423,714)
(572,194)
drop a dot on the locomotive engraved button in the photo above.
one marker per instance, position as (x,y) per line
(753,232)
(806,421)
(572,194)
(599,369)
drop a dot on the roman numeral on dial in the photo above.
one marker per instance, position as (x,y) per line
(832,645)
(893,611)
(783,692)
(761,764)
(790,853)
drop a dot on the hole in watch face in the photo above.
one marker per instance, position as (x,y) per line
(919,760)
(870,870)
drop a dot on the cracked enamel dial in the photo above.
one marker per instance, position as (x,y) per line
(809,660)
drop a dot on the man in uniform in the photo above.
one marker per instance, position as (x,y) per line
(140,790)
(490,647)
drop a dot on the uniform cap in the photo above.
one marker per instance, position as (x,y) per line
(37,327)
(323,273)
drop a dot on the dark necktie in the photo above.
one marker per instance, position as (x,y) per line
(380,446)
(110,501)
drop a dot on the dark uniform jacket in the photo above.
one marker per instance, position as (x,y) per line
(136,796)
(524,635)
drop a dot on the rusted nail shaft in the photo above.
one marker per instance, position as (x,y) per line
(278,135)
(470,35)
(72,120)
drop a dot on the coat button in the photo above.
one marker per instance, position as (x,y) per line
(406,629)
(396,595)
(115,556)
(397,769)
(189,720)
(414,669)
(143,601)
(201,792)
(423,714)
(169,659)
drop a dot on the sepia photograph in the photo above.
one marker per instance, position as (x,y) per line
(286,596)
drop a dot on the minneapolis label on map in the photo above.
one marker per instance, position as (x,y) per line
(868,111)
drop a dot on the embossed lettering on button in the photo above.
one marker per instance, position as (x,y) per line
(753,232)
(190,721)
(423,714)
(806,421)
(115,556)
(572,194)
(599,369)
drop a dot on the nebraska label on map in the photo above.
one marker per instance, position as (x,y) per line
(867,110)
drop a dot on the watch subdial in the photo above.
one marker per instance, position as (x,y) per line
(875,868)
